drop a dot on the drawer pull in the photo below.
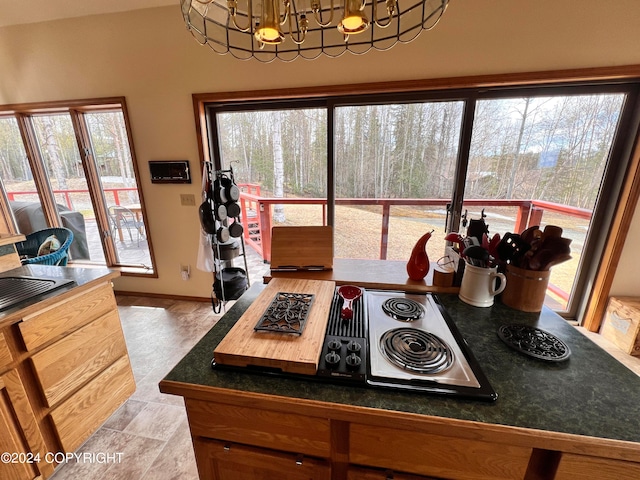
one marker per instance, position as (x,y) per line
(226,448)
(299,460)
(389,475)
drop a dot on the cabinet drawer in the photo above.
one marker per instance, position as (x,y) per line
(580,467)
(65,317)
(358,473)
(19,432)
(435,455)
(226,461)
(79,416)
(279,431)
(5,353)
(71,362)
(12,439)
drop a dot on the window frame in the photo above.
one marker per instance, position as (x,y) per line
(592,303)
(76,109)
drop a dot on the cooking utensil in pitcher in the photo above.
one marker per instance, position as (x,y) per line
(477,256)
(349,294)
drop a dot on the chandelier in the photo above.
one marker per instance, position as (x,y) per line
(286,29)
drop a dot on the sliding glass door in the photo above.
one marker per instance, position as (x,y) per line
(395,168)
(399,165)
(541,160)
(72,166)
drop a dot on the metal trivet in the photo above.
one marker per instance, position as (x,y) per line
(287,313)
(416,350)
(534,342)
(403,309)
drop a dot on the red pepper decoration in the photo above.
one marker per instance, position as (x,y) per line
(418,264)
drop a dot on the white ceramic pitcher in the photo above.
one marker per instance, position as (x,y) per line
(480,285)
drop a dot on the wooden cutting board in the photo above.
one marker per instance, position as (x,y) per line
(301,248)
(289,352)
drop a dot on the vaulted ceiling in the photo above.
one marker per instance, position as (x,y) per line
(17,12)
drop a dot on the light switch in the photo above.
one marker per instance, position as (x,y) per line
(187,200)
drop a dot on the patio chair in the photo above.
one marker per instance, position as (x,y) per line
(30,247)
(123,218)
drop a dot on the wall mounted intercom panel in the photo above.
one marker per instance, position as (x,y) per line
(170,171)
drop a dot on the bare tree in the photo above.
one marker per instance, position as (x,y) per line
(50,145)
(278,167)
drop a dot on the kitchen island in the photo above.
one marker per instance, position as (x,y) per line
(573,419)
(64,366)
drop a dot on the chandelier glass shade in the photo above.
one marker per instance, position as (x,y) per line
(287,29)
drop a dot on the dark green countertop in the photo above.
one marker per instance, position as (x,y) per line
(589,394)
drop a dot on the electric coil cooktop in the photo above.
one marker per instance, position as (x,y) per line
(396,340)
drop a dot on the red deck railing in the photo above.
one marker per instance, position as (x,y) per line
(67,194)
(257,213)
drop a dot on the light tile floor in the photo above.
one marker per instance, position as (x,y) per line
(150,430)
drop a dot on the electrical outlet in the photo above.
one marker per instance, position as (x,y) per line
(185,271)
(187,200)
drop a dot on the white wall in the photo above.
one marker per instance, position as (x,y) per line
(149,57)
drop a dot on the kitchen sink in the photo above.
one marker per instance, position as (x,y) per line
(16,290)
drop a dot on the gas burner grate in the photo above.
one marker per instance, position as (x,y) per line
(287,313)
(534,342)
(416,350)
(403,309)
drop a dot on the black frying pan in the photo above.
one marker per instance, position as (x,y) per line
(221,212)
(222,234)
(206,217)
(231,190)
(235,229)
(233,209)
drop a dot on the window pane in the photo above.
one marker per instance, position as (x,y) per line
(395,164)
(526,151)
(18,181)
(59,149)
(114,165)
(276,154)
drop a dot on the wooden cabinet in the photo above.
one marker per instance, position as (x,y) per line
(233,442)
(362,473)
(21,442)
(230,461)
(64,369)
(80,361)
(5,353)
(282,431)
(261,438)
(435,455)
(9,258)
(250,441)
(582,467)
(93,403)
(60,319)
(66,365)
